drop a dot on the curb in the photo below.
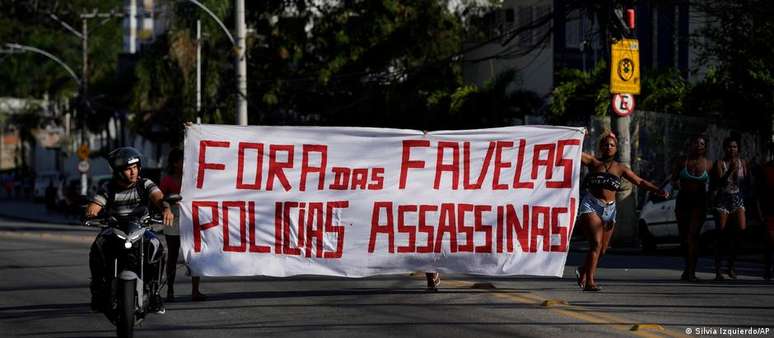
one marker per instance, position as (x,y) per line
(81,239)
(36,219)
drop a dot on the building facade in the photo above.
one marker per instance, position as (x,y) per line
(538,38)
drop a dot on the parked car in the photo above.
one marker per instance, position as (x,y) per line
(658,224)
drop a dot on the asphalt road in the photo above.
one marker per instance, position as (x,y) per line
(44,293)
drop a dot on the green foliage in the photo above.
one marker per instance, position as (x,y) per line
(664,91)
(738,45)
(379,63)
(359,63)
(163,80)
(461,96)
(29,23)
(497,104)
(578,94)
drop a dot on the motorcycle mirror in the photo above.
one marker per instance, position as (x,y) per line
(173,198)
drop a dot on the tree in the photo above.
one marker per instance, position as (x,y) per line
(664,91)
(162,83)
(579,93)
(737,43)
(41,24)
(496,104)
(377,63)
(30,23)
(358,63)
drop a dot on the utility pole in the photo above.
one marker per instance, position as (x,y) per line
(241,63)
(84,99)
(85,47)
(84,36)
(84,80)
(617,28)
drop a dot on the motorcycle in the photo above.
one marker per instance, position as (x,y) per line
(131,255)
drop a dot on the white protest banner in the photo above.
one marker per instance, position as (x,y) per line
(283,201)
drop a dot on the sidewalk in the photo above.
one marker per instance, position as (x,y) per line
(34,212)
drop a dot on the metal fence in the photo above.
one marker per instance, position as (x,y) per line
(657,139)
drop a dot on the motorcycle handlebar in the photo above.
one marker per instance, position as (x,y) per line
(98,222)
(94,222)
(153,223)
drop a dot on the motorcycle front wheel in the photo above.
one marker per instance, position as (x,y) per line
(126,305)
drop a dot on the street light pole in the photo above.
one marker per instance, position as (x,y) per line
(241,63)
(48,55)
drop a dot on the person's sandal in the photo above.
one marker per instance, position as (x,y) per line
(592,288)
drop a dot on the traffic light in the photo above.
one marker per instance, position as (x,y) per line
(624,26)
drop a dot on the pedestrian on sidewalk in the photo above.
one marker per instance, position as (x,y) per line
(8,184)
(170,184)
(728,177)
(50,196)
(597,207)
(691,179)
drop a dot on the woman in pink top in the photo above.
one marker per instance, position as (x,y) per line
(170,184)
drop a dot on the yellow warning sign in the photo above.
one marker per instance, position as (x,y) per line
(83,151)
(625,67)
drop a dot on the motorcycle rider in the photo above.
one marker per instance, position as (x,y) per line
(125,193)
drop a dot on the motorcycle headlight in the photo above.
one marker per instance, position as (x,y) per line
(128,244)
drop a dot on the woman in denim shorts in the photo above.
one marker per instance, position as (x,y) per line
(728,176)
(597,208)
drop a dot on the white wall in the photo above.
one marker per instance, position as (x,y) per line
(535,69)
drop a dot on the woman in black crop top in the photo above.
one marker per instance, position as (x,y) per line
(597,208)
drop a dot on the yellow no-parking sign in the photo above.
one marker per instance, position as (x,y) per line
(625,67)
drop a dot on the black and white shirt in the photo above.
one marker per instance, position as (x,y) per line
(125,200)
